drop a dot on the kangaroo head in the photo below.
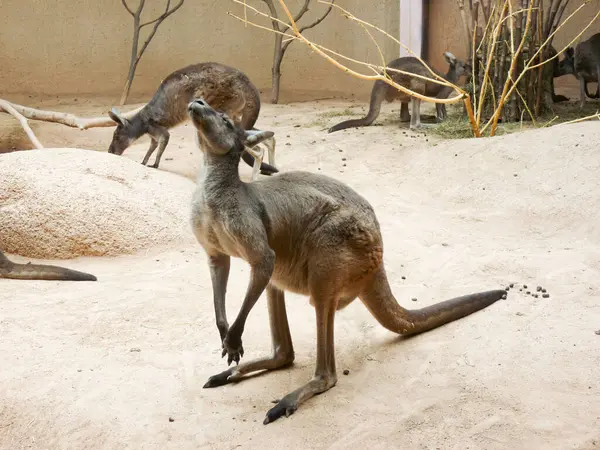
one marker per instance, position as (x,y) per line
(459,66)
(217,133)
(567,64)
(124,134)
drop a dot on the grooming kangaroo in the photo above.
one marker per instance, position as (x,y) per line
(381,90)
(584,63)
(9,269)
(301,232)
(228,89)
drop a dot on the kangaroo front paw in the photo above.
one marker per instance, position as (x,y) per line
(232,347)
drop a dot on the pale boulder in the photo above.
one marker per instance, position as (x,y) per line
(64,202)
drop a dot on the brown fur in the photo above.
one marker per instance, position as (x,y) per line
(383,91)
(9,269)
(300,232)
(228,89)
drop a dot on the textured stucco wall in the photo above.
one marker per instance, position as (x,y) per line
(446,29)
(66,47)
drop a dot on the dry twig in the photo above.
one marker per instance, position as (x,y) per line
(70,120)
(10,109)
(280,45)
(326,53)
(137,27)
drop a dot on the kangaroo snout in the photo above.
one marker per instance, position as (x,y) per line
(198,105)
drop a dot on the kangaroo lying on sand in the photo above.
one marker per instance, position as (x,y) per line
(301,232)
(228,90)
(9,269)
(584,63)
(381,90)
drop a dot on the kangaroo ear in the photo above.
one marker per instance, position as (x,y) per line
(116,116)
(254,137)
(450,58)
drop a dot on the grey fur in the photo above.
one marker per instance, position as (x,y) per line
(228,89)
(584,63)
(301,232)
(381,90)
(556,72)
(9,269)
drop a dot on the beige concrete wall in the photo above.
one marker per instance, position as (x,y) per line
(446,29)
(66,47)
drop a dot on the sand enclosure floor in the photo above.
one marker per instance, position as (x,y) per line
(106,364)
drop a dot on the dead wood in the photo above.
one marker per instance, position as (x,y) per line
(137,28)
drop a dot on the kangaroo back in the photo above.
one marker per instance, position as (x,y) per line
(229,90)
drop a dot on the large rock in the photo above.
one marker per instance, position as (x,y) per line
(66,202)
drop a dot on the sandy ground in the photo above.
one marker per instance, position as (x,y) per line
(107,364)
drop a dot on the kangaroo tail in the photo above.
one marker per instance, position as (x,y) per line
(377,96)
(380,301)
(10,270)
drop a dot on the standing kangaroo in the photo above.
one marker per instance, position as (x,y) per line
(301,232)
(556,72)
(381,90)
(584,63)
(228,89)
(9,269)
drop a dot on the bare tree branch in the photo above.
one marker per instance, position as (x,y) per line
(164,15)
(302,11)
(274,15)
(312,25)
(8,107)
(127,7)
(280,29)
(67,119)
(137,26)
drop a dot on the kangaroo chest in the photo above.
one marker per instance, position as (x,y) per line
(214,222)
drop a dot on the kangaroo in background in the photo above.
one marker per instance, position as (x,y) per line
(584,63)
(228,89)
(556,72)
(9,269)
(302,232)
(381,90)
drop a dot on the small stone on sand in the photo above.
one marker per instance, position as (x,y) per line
(346,372)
